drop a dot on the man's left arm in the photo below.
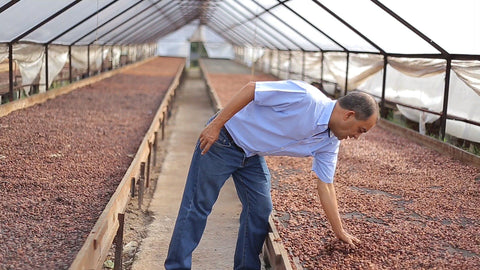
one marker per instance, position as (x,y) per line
(328,198)
(210,133)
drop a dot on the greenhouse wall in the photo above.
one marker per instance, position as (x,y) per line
(30,60)
(417,84)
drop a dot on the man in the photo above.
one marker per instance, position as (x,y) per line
(286,118)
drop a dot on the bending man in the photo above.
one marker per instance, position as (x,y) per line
(282,118)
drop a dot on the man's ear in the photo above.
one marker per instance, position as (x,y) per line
(348,114)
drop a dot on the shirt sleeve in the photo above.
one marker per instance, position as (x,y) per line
(278,94)
(324,165)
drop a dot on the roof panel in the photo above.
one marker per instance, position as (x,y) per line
(92,23)
(26,14)
(454,25)
(286,34)
(378,26)
(114,21)
(330,26)
(66,20)
(319,39)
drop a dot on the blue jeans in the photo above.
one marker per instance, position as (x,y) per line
(206,177)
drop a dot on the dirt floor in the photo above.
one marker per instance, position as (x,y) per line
(62,160)
(412,207)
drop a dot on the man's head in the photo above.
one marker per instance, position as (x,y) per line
(354,114)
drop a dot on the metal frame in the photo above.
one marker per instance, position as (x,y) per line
(235,30)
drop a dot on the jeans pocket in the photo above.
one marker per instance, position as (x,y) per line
(223,140)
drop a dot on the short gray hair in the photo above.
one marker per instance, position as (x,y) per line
(363,104)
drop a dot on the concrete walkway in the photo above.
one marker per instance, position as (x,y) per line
(193,109)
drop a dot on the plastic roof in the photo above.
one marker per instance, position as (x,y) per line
(432,28)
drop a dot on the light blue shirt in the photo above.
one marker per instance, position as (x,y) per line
(288,118)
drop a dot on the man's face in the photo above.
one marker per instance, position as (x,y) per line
(349,127)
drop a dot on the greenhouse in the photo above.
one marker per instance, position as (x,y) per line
(103,103)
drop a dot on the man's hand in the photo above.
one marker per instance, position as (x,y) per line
(328,198)
(348,238)
(209,136)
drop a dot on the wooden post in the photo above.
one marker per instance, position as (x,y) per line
(119,242)
(149,158)
(155,142)
(132,187)
(141,181)
(163,126)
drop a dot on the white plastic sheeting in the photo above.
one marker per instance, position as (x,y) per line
(463,102)
(3,52)
(415,82)
(361,67)
(30,59)
(468,72)
(57,57)
(409,84)
(80,57)
(178,42)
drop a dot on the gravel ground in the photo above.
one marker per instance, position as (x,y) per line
(62,160)
(412,207)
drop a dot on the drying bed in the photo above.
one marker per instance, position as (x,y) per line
(62,160)
(410,206)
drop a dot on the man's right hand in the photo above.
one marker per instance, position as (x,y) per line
(209,136)
(348,238)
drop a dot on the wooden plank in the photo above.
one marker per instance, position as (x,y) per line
(95,249)
(281,258)
(217,105)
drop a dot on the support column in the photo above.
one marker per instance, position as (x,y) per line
(346,74)
(10,70)
(443,117)
(383,110)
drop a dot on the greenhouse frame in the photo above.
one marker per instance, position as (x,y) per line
(422,60)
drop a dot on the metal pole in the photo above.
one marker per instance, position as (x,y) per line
(46,67)
(383,111)
(443,117)
(346,74)
(70,64)
(10,70)
(88,60)
(322,67)
(303,65)
(289,70)
(278,63)
(101,68)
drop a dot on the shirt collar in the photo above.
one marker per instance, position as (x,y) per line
(325,116)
